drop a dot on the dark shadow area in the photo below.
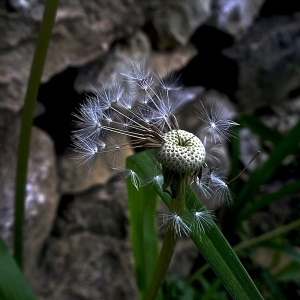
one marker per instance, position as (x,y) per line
(60,100)
(211,68)
(279,7)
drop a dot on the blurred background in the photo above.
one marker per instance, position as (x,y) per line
(246,52)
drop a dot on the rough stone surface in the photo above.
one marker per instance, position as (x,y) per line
(266,57)
(176,21)
(88,255)
(75,178)
(108,68)
(84,31)
(41,189)
(236,16)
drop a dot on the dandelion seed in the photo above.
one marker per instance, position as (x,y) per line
(128,173)
(215,122)
(203,220)
(221,190)
(176,222)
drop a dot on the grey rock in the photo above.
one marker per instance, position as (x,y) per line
(84,31)
(89,256)
(41,190)
(75,178)
(176,21)
(236,16)
(266,57)
(109,67)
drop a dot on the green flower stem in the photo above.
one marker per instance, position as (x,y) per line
(177,204)
(26,123)
(251,243)
(162,264)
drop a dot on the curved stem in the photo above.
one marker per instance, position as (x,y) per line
(178,187)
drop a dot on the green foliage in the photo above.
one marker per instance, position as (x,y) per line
(12,283)
(249,201)
(212,244)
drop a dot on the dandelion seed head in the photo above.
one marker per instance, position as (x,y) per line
(182,152)
(141,110)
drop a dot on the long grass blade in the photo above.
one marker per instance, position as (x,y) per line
(142,210)
(289,144)
(26,123)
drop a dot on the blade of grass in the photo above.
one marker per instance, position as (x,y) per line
(26,123)
(287,145)
(212,245)
(289,273)
(273,286)
(12,283)
(252,207)
(257,241)
(142,210)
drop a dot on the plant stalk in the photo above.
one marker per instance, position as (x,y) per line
(178,188)
(26,124)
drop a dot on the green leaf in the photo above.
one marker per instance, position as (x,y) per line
(212,245)
(36,71)
(289,273)
(142,210)
(13,285)
(273,286)
(286,146)
(253,207)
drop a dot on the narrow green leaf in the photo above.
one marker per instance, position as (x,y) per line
(287,145)
(142,210)
(289,273)
(253,207)
(26,123)
(273,286)
(212,245)
(12,283)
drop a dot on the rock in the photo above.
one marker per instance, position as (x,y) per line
(109,68)
(88,255)
(266,57)
(83,32)
(41,189)
(174,22)
(75,178)
(236,16)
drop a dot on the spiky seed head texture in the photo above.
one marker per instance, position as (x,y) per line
(182,152)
